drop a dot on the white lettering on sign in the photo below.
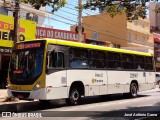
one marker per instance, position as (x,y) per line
(41,33)
(5,50)
(57,34)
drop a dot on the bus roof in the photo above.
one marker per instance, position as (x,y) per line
(90,46)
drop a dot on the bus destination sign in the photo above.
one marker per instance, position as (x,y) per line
(28,45)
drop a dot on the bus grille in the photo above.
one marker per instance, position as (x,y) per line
(21,94)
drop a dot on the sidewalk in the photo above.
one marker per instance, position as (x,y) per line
(3,96)
(3,93)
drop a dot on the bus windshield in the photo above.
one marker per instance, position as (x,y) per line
(26,64)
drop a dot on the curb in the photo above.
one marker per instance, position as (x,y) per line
(2,103)
(2,97)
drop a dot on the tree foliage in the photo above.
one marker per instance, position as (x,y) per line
(55,4)
(132,8)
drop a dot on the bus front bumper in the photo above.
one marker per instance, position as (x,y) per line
(41,94)
(36,94)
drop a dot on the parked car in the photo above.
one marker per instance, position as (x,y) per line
(158,78)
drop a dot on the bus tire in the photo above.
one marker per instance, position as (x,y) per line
(133,90)
(74,97)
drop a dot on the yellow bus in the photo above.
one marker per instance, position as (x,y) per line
(50,69)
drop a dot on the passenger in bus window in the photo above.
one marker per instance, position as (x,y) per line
(117,65)
(139,67)
(31,63)
(60,59)
(75,63)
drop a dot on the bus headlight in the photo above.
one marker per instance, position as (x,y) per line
(37,86)
(8,86)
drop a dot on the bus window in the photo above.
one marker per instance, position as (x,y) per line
(78,58)
(113,60)
(56,60)
(97,59)
(149,64)
(139,63)
(127,62)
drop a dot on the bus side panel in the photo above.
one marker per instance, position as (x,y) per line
(56,85)
(38,94)
(116,81)
(150,81)
(119,81)
(139,76)
(95,81)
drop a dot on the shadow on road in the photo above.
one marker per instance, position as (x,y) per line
(37,106)
(141,112)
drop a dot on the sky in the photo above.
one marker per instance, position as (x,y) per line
(68,16)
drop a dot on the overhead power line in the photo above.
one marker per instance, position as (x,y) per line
(85,28)
(83,9)
(71,8)
(100,29)
(96,16)
(104,21)
(68,12)
(51,18)
(93,26)
(71,20)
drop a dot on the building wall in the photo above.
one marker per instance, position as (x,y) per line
(24,9)
(154,17)
(107,28)
(139,33)
(117,30)
(152,14)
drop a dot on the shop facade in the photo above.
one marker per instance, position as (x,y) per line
(4,64)
(27,31)
(157,51)
(43,32)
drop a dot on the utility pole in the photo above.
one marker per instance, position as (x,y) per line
(15,35)
(80,21)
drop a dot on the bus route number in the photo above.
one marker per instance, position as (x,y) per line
(133,75)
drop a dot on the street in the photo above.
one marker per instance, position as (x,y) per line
(54,49)
(115,107)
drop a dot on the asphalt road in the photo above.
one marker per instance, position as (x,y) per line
(115,107)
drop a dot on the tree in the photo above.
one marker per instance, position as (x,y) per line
(132,8)
(55,4)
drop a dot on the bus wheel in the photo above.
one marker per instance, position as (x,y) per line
(133,90)
(74,97)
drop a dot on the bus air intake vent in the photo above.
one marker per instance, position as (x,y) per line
(21,94)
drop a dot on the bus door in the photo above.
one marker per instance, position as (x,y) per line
(56,70)
(150,74)
(150,77)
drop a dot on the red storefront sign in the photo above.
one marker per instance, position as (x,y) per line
(43,32)
(156,37)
